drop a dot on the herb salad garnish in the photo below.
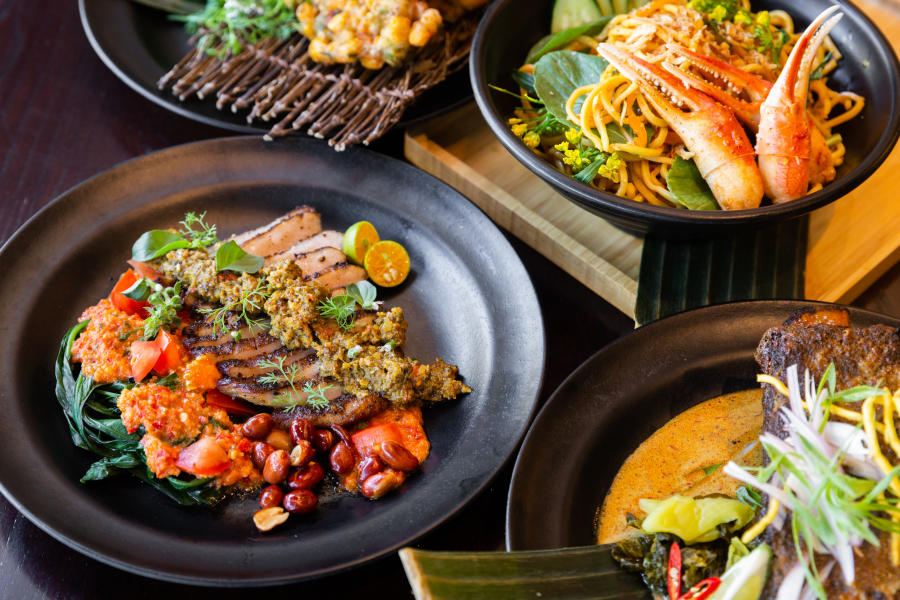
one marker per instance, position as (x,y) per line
(233,24)
(165,302)
(247,308)
(343,308)
(281,374)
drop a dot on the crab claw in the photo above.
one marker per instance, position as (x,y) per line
(785,139)
(713,75)
(722,152)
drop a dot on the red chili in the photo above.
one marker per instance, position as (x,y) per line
(702,590)
(673,572)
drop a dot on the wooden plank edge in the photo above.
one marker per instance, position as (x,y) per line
(598,275)
(867,273)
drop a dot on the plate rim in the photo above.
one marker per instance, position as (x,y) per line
(529,302)
(513,533)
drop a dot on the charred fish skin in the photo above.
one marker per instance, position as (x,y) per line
(813,339)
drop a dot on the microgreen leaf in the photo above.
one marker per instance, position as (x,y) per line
(231,257)
(165,302)
(140,290)
(340,308)
(155,243)
(750,497)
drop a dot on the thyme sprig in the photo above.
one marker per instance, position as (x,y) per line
(246,307)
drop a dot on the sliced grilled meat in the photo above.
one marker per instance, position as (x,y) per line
(245,369)
(862,356)
(277,394)
(282,233)
(243,349)
(337,276)
(341,411)
(319,260)
(323,239)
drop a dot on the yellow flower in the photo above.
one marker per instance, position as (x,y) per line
(573,135)
(562,146)
(718,13)
(762,18)
(573,157)
(532,139)
(610,169)
(513,121)
(520,129)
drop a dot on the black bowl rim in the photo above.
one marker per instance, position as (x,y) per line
(620,208)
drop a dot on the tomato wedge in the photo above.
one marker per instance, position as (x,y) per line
(230,405)
(143,356)
(367,440)
(145,270)
(169,355)
(122,302)
(203,458)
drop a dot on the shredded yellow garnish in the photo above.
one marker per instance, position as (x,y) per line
(751,533)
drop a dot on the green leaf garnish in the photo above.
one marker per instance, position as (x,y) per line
(231,257)
(140,290)
(198,232)
(315,396)
(688,186)
(750,497)
(247,307)
(156,243)
(170,381)
(165,302)
(558,74)
(340,308)
(567,36)
(363,292)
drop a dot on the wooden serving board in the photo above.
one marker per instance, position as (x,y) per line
(851,243)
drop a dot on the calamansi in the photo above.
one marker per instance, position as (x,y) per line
(358,238)
(387,263)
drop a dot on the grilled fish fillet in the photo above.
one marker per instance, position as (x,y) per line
(861,356)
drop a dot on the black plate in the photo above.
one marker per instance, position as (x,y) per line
(868,67)
(140,44)
(456,300)
(618,398)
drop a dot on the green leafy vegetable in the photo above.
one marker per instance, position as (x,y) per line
(567,36)
(750,497)
(558,74)
(363,293)
(736,551)
(170,381)
(140,290)
(231,257)
(688,187)
(156,243)
(525,81)
(568,14)
(94,425)
(819,71)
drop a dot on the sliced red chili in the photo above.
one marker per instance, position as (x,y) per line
(673,572)
(702,590)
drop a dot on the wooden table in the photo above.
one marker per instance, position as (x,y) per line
(64,118)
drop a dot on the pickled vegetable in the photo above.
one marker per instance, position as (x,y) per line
(694,519)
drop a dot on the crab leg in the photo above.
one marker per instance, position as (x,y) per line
(784,141)
(821,164)
(722,152)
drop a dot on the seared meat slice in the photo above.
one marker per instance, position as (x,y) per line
(245,369)
(318,260)
(342,411)
(282,233)
(276,394)
(337,276)
(861,356)
(323,239)
(243,349)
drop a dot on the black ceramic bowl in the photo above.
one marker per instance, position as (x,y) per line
(869,67)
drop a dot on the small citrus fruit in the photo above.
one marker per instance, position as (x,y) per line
(358,238)
(387,263)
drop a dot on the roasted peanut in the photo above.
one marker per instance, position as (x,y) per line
(299,501)
(277,467)
(342,459)
(261,452)
(396,456)
(306,477)
(301,429)
(322,440)
(258,426)
(268,518)
(271,496)
(279,439)
(380,484)
(302,453)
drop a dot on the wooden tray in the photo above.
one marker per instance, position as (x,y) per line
(852,242)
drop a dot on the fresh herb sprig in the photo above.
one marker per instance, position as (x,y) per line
(165,302)
(281,374)
(157,242)
(95,425)
(343,308)
(247,308)
(237,23)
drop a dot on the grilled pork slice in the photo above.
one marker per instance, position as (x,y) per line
(323,239)
(342,411)
(261,364)
(337,276)
(243,349)
(278,394)
(282,233)
(861,356)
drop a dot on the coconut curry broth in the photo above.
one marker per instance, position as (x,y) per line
(672,460)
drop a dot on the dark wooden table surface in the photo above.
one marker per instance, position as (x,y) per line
(65,117)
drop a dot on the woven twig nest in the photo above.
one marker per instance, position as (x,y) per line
(277,82)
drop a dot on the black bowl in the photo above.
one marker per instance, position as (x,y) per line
(869,67)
